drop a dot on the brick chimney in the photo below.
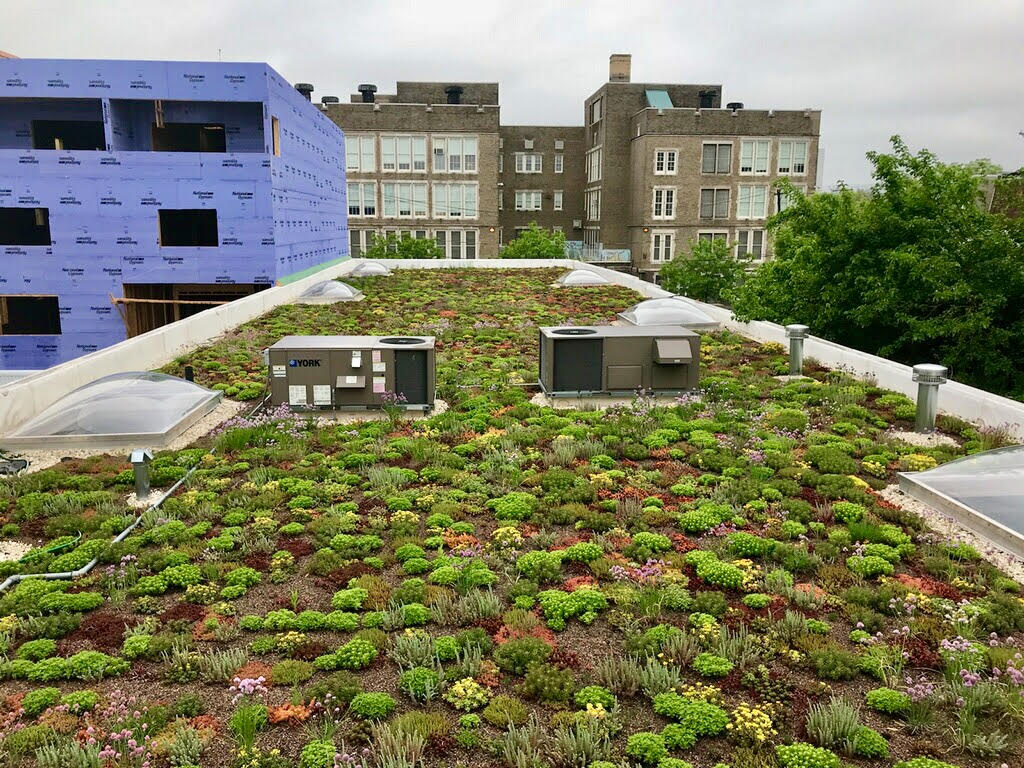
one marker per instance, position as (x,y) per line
(618,67)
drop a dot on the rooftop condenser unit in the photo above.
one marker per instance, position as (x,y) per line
(607,359)
(346,372)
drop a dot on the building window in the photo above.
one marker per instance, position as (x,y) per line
(360,154)
(188,228)
(750,244)
(457,243)
(558,200)
(529,162)
(29,316)
(714,203)
(752,202)
(501,163)
(455,201)
(25,226)
(593,204)
(455,154)
(709,236)
(716,158)
(664,203)
(528,200)
(362,198)
(594,165)
(404,200)
(595,111)
(592,241)
(661,246)
(501,199)
(559,162)
(556,228)
(559,143)
(275,135)
(784,200)
(793,157)
(403,153)
(186,137)
(359,241)
(754,156)
(665,162)
(527,143)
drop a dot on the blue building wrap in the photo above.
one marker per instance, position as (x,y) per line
(277,186)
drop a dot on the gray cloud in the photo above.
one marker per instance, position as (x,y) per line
(945,75)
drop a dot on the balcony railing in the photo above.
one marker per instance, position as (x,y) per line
(596,254)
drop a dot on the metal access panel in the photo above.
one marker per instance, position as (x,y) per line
(618,360)
(345,372)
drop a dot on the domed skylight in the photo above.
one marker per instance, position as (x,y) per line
(370,269)
(578,277)
(671,310)
(328,292)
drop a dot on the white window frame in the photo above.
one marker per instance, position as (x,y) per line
(594,165)
(594,111)
(558,200)
(559,144)
(501,163)
(529,162)
(365,154)
(760,157)
(663,203)
(718,150)
(414,192)
(784,198)
(746,193)
(662,245)
(665,162)
(713,234)
(442,200)
(787,149)
(462,249)
(365,241)
(362,187)
(529,200)
(559,163)
(400,146)
(592,199)
(748,235)
(448,154)
(714,205)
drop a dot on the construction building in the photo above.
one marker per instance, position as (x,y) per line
(135,193)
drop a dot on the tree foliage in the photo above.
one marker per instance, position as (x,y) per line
(709,273)
(535,243)
(914,270)
(405,247)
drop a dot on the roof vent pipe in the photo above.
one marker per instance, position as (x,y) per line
(796,334)
(734,105)
(929,378)
(306,89)
(140,463)
(329,100)
(367,90)
(454,93)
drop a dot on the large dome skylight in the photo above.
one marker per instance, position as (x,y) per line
(328,292)
(580,277)
(670,310)
(370,269)
(137,407)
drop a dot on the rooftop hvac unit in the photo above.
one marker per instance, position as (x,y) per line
(345,372)
(606,359)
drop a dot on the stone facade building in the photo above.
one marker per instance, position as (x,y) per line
(654,167)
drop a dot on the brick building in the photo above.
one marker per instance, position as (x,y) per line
(654,167)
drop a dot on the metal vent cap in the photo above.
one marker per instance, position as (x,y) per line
(930,373)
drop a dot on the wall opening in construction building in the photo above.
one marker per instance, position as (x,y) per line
(188,227)
(25,226)
(151,305)
(189,137)
(60,124)
(29,316)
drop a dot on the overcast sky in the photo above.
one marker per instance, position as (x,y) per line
(945,75)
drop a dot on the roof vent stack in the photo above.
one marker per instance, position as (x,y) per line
(325,100)
(367,90)
(306,89)
(929,378)
(796,334)
(735,106)
(454,93)
(619,65)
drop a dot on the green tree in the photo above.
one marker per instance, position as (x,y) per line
(535,243)
(405,247)
(709,273)
(915,270)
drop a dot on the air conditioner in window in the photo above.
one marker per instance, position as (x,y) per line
(577,223)
(528,143)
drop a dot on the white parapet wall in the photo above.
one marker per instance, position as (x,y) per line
(28,396)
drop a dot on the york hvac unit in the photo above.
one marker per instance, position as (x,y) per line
(606,359)
(351,372)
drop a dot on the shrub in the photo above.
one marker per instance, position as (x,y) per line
(372,706)
(39,700)
(923,762)
(540,566)
(504,711)
(700,717)
(889,701)
(835,664)
(749,545)
(646,747)
(517,505)
(78,702)
(351,599)
(594,694)
(868,742)
(802,755)
(848,511)
(291,672)
(869,566)
(355,654)
(516,656)
(35,650)
(135,646)
(548,683)
(420,683)
(711,665)
(318,753)
(678,736)
(467,694)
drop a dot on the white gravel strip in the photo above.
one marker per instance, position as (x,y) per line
(13,550)
(951,530)
(921,440)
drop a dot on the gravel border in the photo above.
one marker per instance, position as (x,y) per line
(920,439)
(951,530)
